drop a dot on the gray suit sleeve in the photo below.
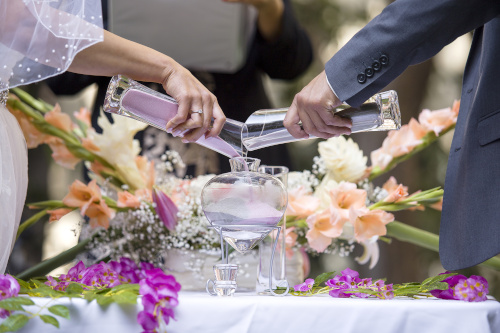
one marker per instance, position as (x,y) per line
(407,32)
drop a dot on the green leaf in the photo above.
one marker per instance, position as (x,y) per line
(322,278)
(125,297)
(104,300)
(23,284)
(13,323)
(49,320)
(60,310)
(15,303)
(128,286)
(74,289)
(437,278)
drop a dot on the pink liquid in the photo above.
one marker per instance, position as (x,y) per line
(158,112)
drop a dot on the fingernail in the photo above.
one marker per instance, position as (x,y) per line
(185,141)
(169,130)
(176,133)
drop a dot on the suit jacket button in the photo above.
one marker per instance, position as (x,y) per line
(369,72)
(384,59)
(376,65)
(361,78)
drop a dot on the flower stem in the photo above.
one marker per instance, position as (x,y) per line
(31,101)
(426,239)
(46,266)
(427,140)
(29,222)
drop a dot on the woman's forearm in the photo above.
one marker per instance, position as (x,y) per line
(116,55)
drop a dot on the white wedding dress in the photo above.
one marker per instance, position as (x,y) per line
(38,39)
(13,181)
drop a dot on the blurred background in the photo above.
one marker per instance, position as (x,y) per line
(434,84)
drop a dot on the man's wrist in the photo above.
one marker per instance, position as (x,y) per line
(331,88)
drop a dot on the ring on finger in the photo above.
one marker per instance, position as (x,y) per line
(199,111)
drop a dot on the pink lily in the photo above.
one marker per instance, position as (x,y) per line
(165,208)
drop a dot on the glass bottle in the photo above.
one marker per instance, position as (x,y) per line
(263,128)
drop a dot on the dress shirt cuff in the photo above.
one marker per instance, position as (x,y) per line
(328,82)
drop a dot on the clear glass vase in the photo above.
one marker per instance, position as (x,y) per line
(244,205)
(279,278)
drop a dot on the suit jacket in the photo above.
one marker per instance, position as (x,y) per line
(408,32)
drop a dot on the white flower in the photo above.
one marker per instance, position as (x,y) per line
(343,159)
(117,145)
(323,190)
(371,252)
(305,180)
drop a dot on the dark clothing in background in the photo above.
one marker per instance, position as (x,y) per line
(239,94)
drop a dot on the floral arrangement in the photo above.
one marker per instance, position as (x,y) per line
(349,284)
(336,205)
(126,201)
(129,199)
(113,282)
(331,208)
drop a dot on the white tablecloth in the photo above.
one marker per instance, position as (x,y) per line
(200,313)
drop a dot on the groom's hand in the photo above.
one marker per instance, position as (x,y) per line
(312,107)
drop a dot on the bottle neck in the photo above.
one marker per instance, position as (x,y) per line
(242,164)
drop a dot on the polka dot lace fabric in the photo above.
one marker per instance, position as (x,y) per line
(39,39)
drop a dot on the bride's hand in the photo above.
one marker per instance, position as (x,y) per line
(197,105)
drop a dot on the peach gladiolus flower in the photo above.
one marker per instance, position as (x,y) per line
(146,170)
(395,191)
(99,214)
(144,194)
(82,196)
(97,168)
(437,120)
(345,196)
(301,204)
(368,223)
(89,145)
(83,115)
(57,214)
(61,154)
(438,205)
(398,143)
(323,227)
(455,107)
(32,135)
(58,119)
(127,199)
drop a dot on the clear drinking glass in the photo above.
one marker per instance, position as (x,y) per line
(225,280)
(267,244)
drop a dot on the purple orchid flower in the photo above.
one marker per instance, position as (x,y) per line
(160,296)
(165,208)
(307,285)
(9,287)
(473,289)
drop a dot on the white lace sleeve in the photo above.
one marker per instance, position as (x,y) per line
(39,38)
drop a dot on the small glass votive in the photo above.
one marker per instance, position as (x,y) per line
(225,280)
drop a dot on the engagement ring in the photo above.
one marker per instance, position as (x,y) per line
(200,111)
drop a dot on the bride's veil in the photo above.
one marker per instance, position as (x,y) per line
(38,39)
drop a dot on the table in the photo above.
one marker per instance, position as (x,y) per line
(246,312)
